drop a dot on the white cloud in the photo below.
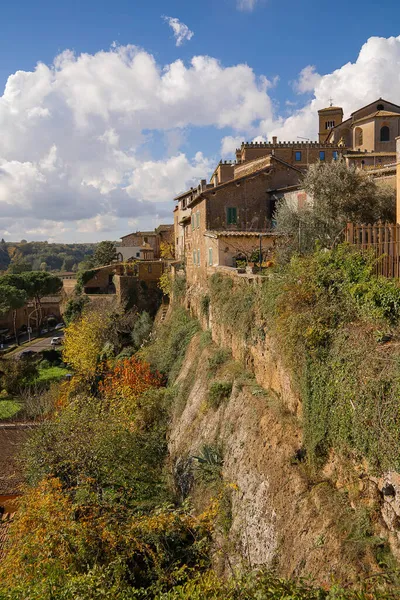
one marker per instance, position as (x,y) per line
(76,136)
(247,4)
(229,144)
(308,80)
(75,141)
(182,33)
(375,73)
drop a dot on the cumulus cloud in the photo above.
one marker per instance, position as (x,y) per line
(375,73)
(76,136)
(182,33)
(246,4)
(308,80)
(74,142)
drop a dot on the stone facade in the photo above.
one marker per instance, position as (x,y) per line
(296,154)
(145,245)
(368,135)
(215,225)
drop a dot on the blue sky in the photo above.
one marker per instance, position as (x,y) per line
(349,46)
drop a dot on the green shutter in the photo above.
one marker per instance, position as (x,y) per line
(232,216)
(210,257)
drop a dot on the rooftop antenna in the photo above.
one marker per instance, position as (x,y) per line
(330,102)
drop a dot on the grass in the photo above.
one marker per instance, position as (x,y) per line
(49,374)
(9,408)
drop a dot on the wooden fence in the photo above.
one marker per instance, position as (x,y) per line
(384,240)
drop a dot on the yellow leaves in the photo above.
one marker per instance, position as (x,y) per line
(84,340)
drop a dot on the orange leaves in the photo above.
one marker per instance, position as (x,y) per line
(128,380)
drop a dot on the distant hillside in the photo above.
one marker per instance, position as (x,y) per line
(44,256)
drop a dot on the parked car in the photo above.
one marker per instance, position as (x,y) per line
(59,326)
(56,341)
(44,331)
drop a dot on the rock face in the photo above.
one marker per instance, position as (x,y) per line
(280,517)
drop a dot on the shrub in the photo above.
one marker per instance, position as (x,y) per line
(209,464)
(142,329)
(205,305)
(216,360)
(218,392)
(167,351)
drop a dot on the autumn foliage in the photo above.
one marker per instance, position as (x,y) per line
(128,379)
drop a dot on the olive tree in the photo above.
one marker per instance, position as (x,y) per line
(338,195)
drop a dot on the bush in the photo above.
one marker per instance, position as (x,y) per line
(167,351)
(327,312)
(218,392)
(141,330)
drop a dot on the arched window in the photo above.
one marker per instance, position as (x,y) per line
(359,136)
(385,134)
(380,107)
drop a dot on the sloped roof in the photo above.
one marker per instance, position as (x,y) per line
(380,100)
(377,113)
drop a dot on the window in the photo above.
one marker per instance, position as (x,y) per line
(146,239)
(232,216)
(194,256)
(322,155)
(210,257)
(380,107)
(297,156)
(192,219)
(198,258)
(385,134)
(358,136)
(335,155)
(198,219)
(137,254)
(329,124)
(150,269)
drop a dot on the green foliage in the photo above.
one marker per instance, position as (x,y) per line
(205,305)
(79,446)
(28,256)
(209,464)
(15,375)
(104,254)
(167,351)
(218,392)
(179,287)
(326,312)
(82,278)
(234,304)
(142,329)
(9,408)
(216,360)
(340,194)
(74,308)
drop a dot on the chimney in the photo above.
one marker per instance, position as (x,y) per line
(274,139)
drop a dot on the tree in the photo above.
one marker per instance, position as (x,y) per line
(19,266)
(84,340)
(38,285)
(105,254)
(74,308)
(339,195)
(11,299)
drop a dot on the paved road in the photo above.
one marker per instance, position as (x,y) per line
(38,345)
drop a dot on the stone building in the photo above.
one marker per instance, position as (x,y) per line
(367,138)
(218,224)
(145,245)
